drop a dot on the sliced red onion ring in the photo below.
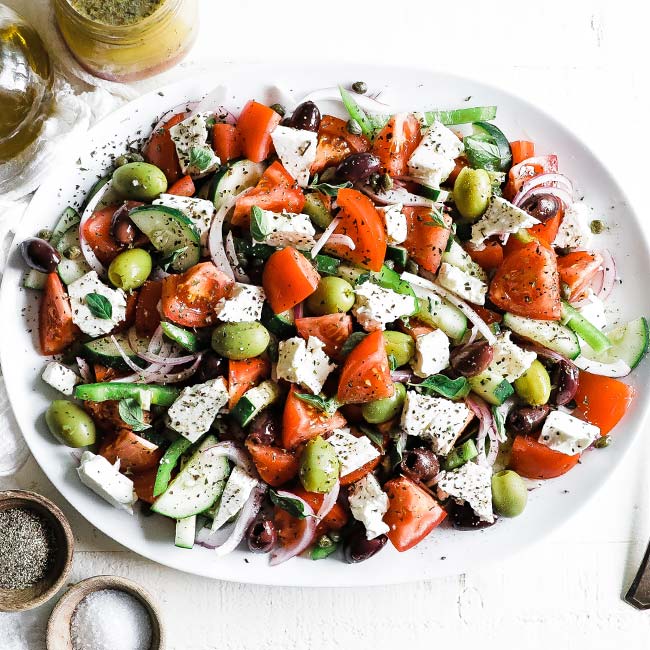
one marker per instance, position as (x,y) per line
(472,334)
(402,375)
(609,275)
(76,456)
(482,412)
(133,366)
(231,254)
(84,370)
(550,181)
(329,501)
(399,195)
(152,357)
(364,101)
(234,453)
(209,539)
(327,233)
(213,103)
(88,252)
(559,193)
(540,350)
(302,542)
(616,369)
(299,310)
(163,376)
(342,240)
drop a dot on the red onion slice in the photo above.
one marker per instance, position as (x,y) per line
(329,501)
(399,195)
(302,542)
(159,274)
(342,240)
(609,275)
(209,539)
(84,370)
(231,254)
(482,412)
(299,310)
(616,369)
(163,376)
(550,181)
(402,375)
(333,94)
(244,520)
(152,357)
(234,453)
(559,193)
(327,234)
(133,366)
(88,252)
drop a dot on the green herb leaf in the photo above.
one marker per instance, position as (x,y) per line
(352,341)
(483,152)
(210,122)
(442,385)
(388,279)
(500,425)
(200,158)
(392,361)
(99,306)
(328,188)
(436,220)
(293,506)
(375,437)
(258,229)
(131,412)
(169,260)
(396,452)
(328,405)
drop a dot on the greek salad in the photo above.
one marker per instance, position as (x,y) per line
(317,334)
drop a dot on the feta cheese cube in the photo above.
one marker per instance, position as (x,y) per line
(568,435)
(436,419)
(235,494)
(471,483)
(303,363)
(434,158)
(60,377)
(463,284)
(593,309)
(351,451)
(376,306)
(500,218)
(431,353)
(81,314)
(199,211)
(283,229)
(574,232)
(368,504)
(195,409)
(509,359)
(190,137)
(243,306)
(395,222)
(296,149)
(104,479)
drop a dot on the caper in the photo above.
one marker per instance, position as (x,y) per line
(73,252)
(360,87)
(602,442)
(279,109)
(353,127)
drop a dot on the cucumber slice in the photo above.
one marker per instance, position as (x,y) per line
(185,532)
(433,193)
(168,463)
(69,219)
(95,189)
(458,257)
(255,400)
(492,387)
(104,351)
(438,313)
(186,339)
(256,251)
(71,270)
(327,265)
(235,178)
(282,325)
(34,279)
(550,334)
(398,254)
(169,230)
(197,486)
(629,343)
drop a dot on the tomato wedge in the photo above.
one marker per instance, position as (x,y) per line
(254,127)
(547,231)
(335,143)
(525,170)
(357,474)
(490,257)
(361,222)
(161,150)
(143,483)
(365,376)
(135,453)
(302,422)
(288,279)
(521,150)
(245,374)
(276,191)
(191,298)
(274,465)
(226,142)
(577,270)
(396,142)
(527,283)
(412,513)
(183,187)
(603,401)
(147,316)
(97,232)
(333,330)
(56,331)
(531,459)
(426,241)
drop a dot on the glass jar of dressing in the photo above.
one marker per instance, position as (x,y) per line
(127,40)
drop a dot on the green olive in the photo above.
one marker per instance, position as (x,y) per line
(472,191)
(400,345)
(534,386)
(319,466)
(509,493)
(333,295)
(240,341)
(382,410)
(130,269)
(70,424)
(139,181)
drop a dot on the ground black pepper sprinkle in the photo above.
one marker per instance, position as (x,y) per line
(27,546)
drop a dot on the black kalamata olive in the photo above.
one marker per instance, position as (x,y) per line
(211,367)
(123,229)
(565,380)
(261,536)
(306,117)
(40,255)
(464,518)
(264,429)
(471,359)
(542,206)
(420,464)
(358,167)
(358,548)
(524,420)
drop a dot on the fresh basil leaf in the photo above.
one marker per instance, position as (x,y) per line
(392,362)
(293,506)
(169,260)
(389,279)
(200,158)
(328,188)
(396,452)
(352,341)
(436,220)
(442,385)
(100,306)
(258,230)
(210,122)
(375,437)
(131,412)
(328,405)
(482,152)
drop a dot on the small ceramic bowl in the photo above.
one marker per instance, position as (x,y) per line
(18,600)
(59,625)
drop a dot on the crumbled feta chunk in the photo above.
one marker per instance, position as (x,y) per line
(190,137)
(593,309)
(376,306)
(283,229)
(60,377)
(500,218)
(81,314)
(195,409)
(296,149)
(369,504)
(235,494)
(471,483)
(351,451)
(574,232)
(243,306)
(395,222)
(509,359)
(568,435)
(303,363)
(435,419)
(431,353)
(434,158)
(199,211)
(463,284)
(104,479)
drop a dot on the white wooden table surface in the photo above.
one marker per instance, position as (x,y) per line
(585,62)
